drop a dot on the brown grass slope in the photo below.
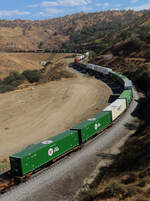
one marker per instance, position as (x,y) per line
(128,177)
(25,35)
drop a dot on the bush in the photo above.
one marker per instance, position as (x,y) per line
(147,54)
(113,189)
(5,88)
(32,75)
(14,76)
(11,82)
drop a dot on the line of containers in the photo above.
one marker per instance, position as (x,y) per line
(37,155)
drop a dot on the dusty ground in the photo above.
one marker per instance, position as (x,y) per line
(39,112)
(20,62)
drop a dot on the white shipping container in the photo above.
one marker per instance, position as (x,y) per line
(128,84)
(116,108)
(90,66)
(101,69)
(105,70)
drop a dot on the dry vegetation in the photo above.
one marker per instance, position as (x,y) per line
(127,178)
(20,62)
(25,69)
(25,35)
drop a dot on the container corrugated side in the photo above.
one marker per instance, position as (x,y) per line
(93,125)
(128,84)
(127,94)
(118,77)
(81,64)
(39,154)
(116,108)
(100,69)
(90,66)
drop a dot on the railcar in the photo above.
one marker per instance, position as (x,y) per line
(128,84)
(116,108)
(33,157)
(76,60)
(99,69)
(93,125)
(126,94)
(118,77)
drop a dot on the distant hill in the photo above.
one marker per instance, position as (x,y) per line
(65,33)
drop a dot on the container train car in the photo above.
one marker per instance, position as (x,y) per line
(80,58)
(35,156)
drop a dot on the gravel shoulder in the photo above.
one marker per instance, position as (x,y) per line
(36,113)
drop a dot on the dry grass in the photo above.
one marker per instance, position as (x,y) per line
(128,177)
(20,62)
(54,70)
(25,61)
(4,164)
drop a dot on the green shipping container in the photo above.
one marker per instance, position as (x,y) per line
(118,77)
(37,155)
(81,64)
(93,125)
(126,94)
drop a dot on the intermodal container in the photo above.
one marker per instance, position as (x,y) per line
(82,65)
(100,69)
(126,94)
(103,70)
(128,84)
(77,59)
(116,108)
(93,125)
(90,66)
(118,77)
(37,155)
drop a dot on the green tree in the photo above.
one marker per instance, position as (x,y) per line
(32,75)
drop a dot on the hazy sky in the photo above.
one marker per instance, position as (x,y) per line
(39,9)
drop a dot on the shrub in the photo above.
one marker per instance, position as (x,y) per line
(147,54)
(5,88)
(137,43)
(32,75)
(112,190)
(14,76)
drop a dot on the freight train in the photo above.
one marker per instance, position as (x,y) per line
(30,159)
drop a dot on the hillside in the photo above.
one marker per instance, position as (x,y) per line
(113,27)
(46,35)
(127,178)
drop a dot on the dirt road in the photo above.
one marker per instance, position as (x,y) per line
(39,112)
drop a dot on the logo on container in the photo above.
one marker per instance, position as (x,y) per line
(97,126)
(50,152)
(47,142)
(92,119)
